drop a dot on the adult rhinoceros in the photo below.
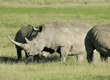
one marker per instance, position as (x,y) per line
(60,37)
(98,38)
(29,32)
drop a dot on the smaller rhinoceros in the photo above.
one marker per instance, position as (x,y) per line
(29,32)
(98,38)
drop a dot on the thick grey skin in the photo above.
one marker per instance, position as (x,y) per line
(29,33)
(66,39)
(98,38)
(79,36)
(83,26)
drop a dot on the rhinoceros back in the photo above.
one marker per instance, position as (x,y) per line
(25,31)
(100,37)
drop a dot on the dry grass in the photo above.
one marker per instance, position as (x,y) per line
(53,3)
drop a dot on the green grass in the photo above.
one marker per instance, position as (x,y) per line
(45,10)
(53,71)
(15,17)
(15,14)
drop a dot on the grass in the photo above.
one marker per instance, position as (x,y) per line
(15,14)
(51,3)
(15,17)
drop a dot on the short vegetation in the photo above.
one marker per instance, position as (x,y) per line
(15,14)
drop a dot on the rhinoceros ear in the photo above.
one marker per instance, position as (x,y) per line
(40,28)
(27,40)
(35,29)
(29,25)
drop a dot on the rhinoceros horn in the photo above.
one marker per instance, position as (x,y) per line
(27,40)
(17,43)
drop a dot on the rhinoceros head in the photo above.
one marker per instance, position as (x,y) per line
(34,47)
(31,47)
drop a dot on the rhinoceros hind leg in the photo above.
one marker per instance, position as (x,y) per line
(79,57)
(63,53)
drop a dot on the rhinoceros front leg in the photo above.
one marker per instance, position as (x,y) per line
(18,49)
(26,55)
(90,49)
(44,55)
(89,54)
(103,57)
(63,53)
(36,57)
(94,56)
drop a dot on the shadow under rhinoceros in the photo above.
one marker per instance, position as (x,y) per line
(11,60)
(51,58)
(4,59)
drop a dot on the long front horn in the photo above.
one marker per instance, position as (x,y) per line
(17,43)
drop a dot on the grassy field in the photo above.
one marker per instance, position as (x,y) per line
(15,14)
